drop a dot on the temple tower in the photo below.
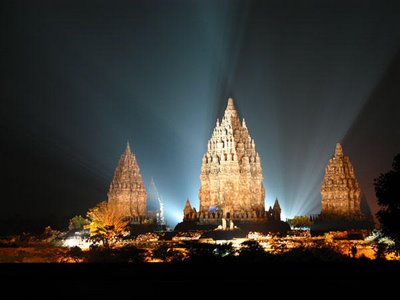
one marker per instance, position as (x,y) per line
(155,206)
(231,174)
(127,188)
(188,211)
(276,210)
(340,191)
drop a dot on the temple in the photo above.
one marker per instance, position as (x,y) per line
(231,174)
(155,206)
(127,188)
(340,192)
(231,179)
(275,211)
(340,198)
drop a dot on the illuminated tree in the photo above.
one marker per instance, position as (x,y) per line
(107,223)
(78,223)
(387,189)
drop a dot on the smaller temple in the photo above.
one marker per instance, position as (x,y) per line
(127,189)
(340,191)
(274,213)
(189,212)
(155,206)
(340,197)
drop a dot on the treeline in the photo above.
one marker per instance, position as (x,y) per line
(203,253)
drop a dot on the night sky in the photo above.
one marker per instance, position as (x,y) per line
(81,78)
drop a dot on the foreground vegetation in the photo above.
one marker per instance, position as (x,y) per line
(192,248)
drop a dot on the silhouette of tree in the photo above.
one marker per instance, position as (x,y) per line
(76,254)
(201,253)
(312,255)
(126,254)
(380,251)
(252,251)
(387,189)
(224,251)
(130,254)
(353,250)
(167,254)
(162,252)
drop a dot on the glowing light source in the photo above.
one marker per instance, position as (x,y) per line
(76,241)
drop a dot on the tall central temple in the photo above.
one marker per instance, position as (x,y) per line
(231,174)
(231,179)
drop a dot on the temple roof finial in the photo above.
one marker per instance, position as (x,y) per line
(276,204)
(231,105)
(230,110)
(128,147)
(338,150)
(188,203)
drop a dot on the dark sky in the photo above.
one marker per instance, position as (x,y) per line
(80,78)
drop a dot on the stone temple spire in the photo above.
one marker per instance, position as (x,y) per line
(127,188)
(276,210)
(155,206)
(231,174)
(340,191)
(188,210)
(231,114)
(230,110)
(276,204)
(338,150)
(187,205)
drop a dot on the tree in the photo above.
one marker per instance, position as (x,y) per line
(251,251)
(78,223)
(167,254)
(107,223)
(387,189)
(300,222)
